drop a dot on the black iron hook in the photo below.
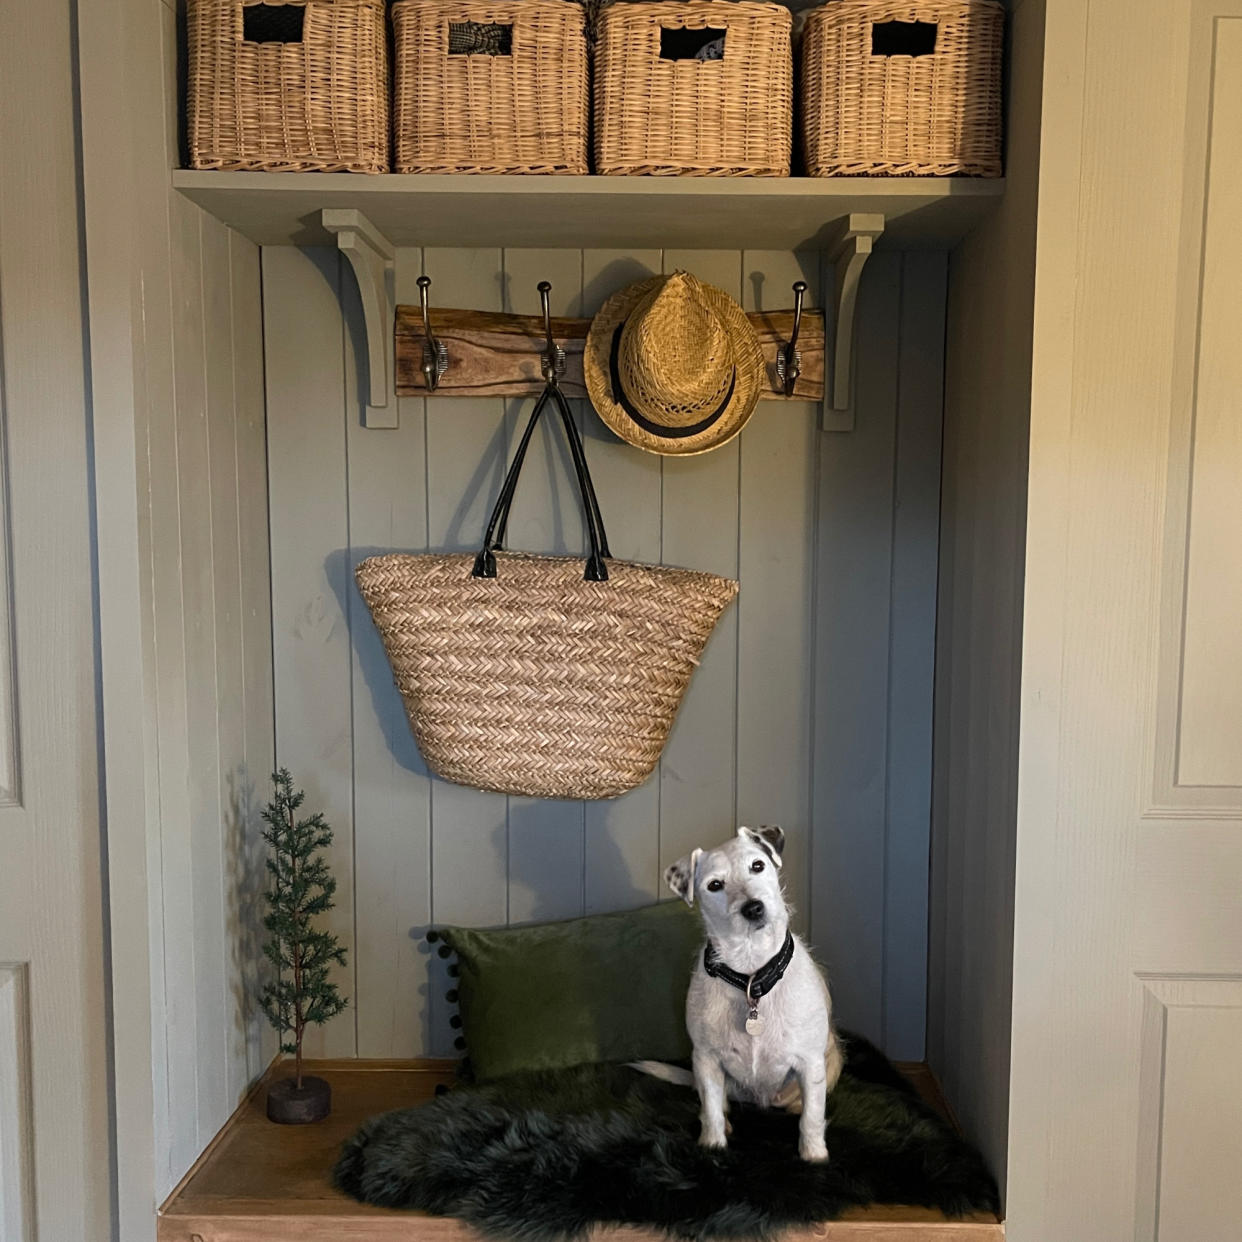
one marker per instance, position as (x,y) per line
(789,363)
(553,365)
(435,356)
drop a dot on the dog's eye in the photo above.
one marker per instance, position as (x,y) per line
(757,865)
(714,886)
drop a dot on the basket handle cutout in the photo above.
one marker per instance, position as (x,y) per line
(480,39)
(273,23)
(903,38)
(683,43)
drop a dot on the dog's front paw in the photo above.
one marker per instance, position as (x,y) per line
(815,1153)
(712,1139)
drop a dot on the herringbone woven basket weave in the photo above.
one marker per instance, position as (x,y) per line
(731,117)
(523,112)
(318,104)
(536,681)
(545,676)
(937,114)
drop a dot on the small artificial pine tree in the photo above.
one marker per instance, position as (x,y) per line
(301,887)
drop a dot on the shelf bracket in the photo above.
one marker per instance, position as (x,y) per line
(848,254)
(372,257)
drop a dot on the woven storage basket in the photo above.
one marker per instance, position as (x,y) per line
(538,680)
(731,117)
(316,102)
(522,111)
(865,113)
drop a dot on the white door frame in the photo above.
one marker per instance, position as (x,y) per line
(1127,981)
(121,67)
(55,1136)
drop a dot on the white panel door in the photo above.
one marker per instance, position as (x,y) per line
(1126,1118)
(54,1137)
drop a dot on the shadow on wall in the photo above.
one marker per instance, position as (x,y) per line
(612,279)
(540,847)
(769,296)
(548,848)
(434,992)
(537,526)
(245,852)
(372,661)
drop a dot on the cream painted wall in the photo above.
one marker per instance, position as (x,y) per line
(812,707)
(181,485)
(979,632)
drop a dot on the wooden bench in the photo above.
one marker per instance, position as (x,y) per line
(260,1182)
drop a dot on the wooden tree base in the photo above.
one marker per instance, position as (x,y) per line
(289,1106)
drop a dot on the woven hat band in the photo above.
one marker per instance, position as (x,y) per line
(676,361)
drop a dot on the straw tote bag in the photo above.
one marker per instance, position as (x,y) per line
(538,675)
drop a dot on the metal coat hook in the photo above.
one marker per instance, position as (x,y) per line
(553,364)
(789,360)
(435,356)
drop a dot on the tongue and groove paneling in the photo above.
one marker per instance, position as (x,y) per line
(546,838)
(699,515)
(304,331)
(811,704)
(622,843)
(776,540)
(387,506)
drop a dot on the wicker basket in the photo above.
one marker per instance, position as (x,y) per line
(867,112)
(523,674)
(288,85)
(521,106)
(727,117)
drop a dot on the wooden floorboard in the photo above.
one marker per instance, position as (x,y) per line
(260,1182)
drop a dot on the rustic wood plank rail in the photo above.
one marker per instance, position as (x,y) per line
(492,354)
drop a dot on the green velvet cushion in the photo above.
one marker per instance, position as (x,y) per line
(611,987)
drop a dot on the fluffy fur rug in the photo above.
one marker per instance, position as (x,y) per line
(546,1156)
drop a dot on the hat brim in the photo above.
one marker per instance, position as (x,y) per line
(748,383)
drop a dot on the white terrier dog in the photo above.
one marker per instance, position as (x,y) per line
(758,1009)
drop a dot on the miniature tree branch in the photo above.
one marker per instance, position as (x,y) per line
(300,888)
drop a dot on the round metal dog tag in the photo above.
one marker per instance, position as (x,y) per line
(754,1024)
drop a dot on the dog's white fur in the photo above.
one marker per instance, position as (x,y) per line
(796,1051)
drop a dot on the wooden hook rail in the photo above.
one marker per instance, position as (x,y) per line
(491,354)
(478,353)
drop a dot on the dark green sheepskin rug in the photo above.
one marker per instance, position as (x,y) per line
(548,1155)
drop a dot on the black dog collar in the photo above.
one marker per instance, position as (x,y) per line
(761,982)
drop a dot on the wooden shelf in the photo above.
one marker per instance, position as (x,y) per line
(369,217)
(281,209)
(260,1182)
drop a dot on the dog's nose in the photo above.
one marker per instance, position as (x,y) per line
(752,910)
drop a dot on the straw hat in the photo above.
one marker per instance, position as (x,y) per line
(673,365)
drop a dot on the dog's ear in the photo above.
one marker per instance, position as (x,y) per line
(768,838)
(680,877)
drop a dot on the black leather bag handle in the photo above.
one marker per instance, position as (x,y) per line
(586,486)
(497,526)
(578,455)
